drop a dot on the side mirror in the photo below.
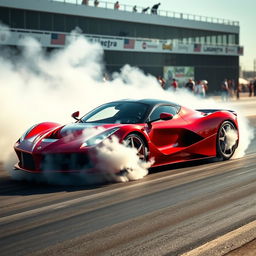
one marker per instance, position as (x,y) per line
(166,116)
(75,115)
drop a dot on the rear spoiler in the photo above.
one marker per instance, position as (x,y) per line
(210,111)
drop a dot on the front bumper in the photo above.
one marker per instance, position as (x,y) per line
(54,162)
(61,178)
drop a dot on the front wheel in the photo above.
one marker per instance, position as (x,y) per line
(135,141)
(227,140)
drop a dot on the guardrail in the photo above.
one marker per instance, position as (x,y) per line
(171,14)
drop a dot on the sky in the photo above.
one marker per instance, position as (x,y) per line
(235,10)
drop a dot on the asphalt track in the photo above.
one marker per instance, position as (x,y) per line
(171,211)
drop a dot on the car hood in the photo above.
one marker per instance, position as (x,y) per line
(84,130)
(67,138)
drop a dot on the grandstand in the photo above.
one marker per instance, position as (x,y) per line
(172,44)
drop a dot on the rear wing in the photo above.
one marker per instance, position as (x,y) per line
(210,111)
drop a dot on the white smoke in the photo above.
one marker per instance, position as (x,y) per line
(37,86)
(114,156)
(4,31)
(232,137)
(246,135)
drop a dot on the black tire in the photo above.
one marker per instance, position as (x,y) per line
(225,147)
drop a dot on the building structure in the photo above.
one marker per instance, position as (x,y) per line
(176,45)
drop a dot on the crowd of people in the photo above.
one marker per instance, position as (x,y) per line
(154,8)
(229,90)
(198,88)
(251,88)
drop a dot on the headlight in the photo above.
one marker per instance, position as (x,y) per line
(26,133)
(99,138)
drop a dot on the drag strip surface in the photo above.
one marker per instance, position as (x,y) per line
(170,211)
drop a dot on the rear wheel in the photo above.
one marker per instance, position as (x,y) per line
(227,140)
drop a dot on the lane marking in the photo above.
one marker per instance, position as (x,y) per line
(17,216)
(205,249)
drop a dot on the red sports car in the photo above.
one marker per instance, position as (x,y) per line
(158,129)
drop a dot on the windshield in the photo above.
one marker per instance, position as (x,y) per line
(117,112)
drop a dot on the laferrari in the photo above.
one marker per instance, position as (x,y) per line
(157,129)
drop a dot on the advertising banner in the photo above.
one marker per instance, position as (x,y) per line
(57,39)
(181,74)
(108,43)
(16,38)
(148,46)
(215,50)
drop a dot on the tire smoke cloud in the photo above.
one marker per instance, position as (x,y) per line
(37,86)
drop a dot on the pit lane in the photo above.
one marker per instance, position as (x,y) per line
(170,211)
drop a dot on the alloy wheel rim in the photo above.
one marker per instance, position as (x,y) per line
(226,145)
(136,142)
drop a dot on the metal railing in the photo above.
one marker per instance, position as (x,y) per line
(140,39)
(171,14)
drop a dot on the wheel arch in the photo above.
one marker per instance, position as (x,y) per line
(38,128)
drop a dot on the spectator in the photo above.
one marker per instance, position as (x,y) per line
(190,85)
(230,87)
(134,8)
(174,84)
(237,89)
(145,10)
(161,81)
(200,89)
(205,84)
(116,6)
(254,87)
(250,87)
(85,2)
(154,8)
(106,77)
(224,90)
(96,3)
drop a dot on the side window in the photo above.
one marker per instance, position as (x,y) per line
(162,109)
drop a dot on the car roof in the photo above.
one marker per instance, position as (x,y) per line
(151,102)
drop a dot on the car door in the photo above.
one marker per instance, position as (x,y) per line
(165,135)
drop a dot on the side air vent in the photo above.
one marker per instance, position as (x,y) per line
(188,138)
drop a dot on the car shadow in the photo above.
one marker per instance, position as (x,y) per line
(10,186)
(182,165)
(33,184)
